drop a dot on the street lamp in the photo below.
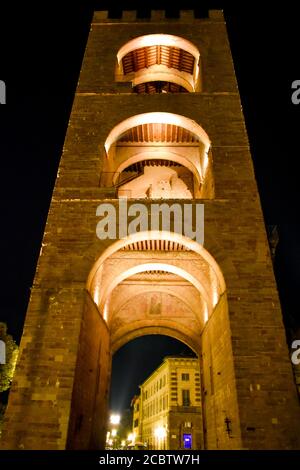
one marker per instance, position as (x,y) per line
(160,433)
(115,419)
(131,437)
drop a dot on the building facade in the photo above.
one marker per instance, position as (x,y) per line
(136,418)
(156,117)
(170,409)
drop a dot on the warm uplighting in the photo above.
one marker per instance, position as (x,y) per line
(157,267)
(157,118)
(155,235)
(105,316)
(205,314)
(210,296)
(114,432)
(159,72)
(158,40)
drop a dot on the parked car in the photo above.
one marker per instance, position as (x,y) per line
(137,446)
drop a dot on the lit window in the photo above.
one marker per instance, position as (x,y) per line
(186,398)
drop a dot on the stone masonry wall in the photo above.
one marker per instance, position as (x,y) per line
(39,406)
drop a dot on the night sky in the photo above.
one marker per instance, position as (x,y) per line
(41,49)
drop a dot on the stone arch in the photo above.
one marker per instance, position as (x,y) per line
(137,330)
(156,235)
(176,157)
(165,137)
(161,118)
(156,266)
(165,290)
(211,340)
(147,69)
(158,39)
(163,75)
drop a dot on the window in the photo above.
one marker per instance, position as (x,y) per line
(185,377)
(184,173)
(136,423)
(186,398)
(159,63)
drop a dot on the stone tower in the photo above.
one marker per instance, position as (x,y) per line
(156,118)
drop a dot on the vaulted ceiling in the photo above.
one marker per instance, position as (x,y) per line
(156,132)
(172,57)
(155,245)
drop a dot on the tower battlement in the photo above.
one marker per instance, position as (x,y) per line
(185,16)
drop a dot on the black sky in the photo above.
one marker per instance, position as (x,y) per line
(41,49)
(135,361)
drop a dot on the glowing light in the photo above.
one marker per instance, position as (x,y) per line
(105,316)
(159,72)
(157,267)
(158,40)
(131,437)
(205,313)
(114,432)
(157,118)
(215,297)
(160,432)
(172,156)
(156,235)
(115,419)
(96,295)
(205,164)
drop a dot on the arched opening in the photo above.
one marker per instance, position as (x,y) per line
(158,155)
(159,63)
(155,395)
(152,283)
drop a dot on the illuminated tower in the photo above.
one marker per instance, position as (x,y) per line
(156,118)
